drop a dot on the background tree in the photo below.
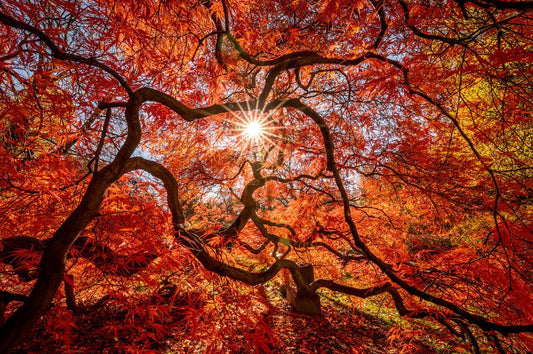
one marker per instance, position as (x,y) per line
(391,158)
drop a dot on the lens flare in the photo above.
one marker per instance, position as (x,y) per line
(253,129)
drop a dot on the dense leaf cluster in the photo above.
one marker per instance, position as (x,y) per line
(394,166)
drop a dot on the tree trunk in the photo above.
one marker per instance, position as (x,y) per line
(300,296)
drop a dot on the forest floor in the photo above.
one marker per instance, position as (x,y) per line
(336,330)
(339,329)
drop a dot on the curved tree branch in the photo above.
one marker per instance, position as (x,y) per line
(195,244)
(480,321)
(61,54)
(52,265)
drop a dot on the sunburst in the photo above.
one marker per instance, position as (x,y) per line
(255,129)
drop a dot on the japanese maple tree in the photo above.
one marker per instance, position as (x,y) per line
(376,149)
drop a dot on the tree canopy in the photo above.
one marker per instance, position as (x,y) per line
(173,159)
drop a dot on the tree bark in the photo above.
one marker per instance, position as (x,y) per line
(301,296)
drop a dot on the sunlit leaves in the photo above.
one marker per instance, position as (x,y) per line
(431,135)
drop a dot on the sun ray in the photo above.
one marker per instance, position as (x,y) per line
(254,129)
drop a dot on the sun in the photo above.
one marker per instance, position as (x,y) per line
(253,129)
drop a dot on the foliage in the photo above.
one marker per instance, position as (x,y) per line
(392,173)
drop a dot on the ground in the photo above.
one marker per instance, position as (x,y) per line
(196,324)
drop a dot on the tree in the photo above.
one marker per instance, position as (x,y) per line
(391,154)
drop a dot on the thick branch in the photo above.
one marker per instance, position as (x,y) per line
(482,322)
(195,244)
(382,22)
(170,183)
(368,292)
(52,265)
